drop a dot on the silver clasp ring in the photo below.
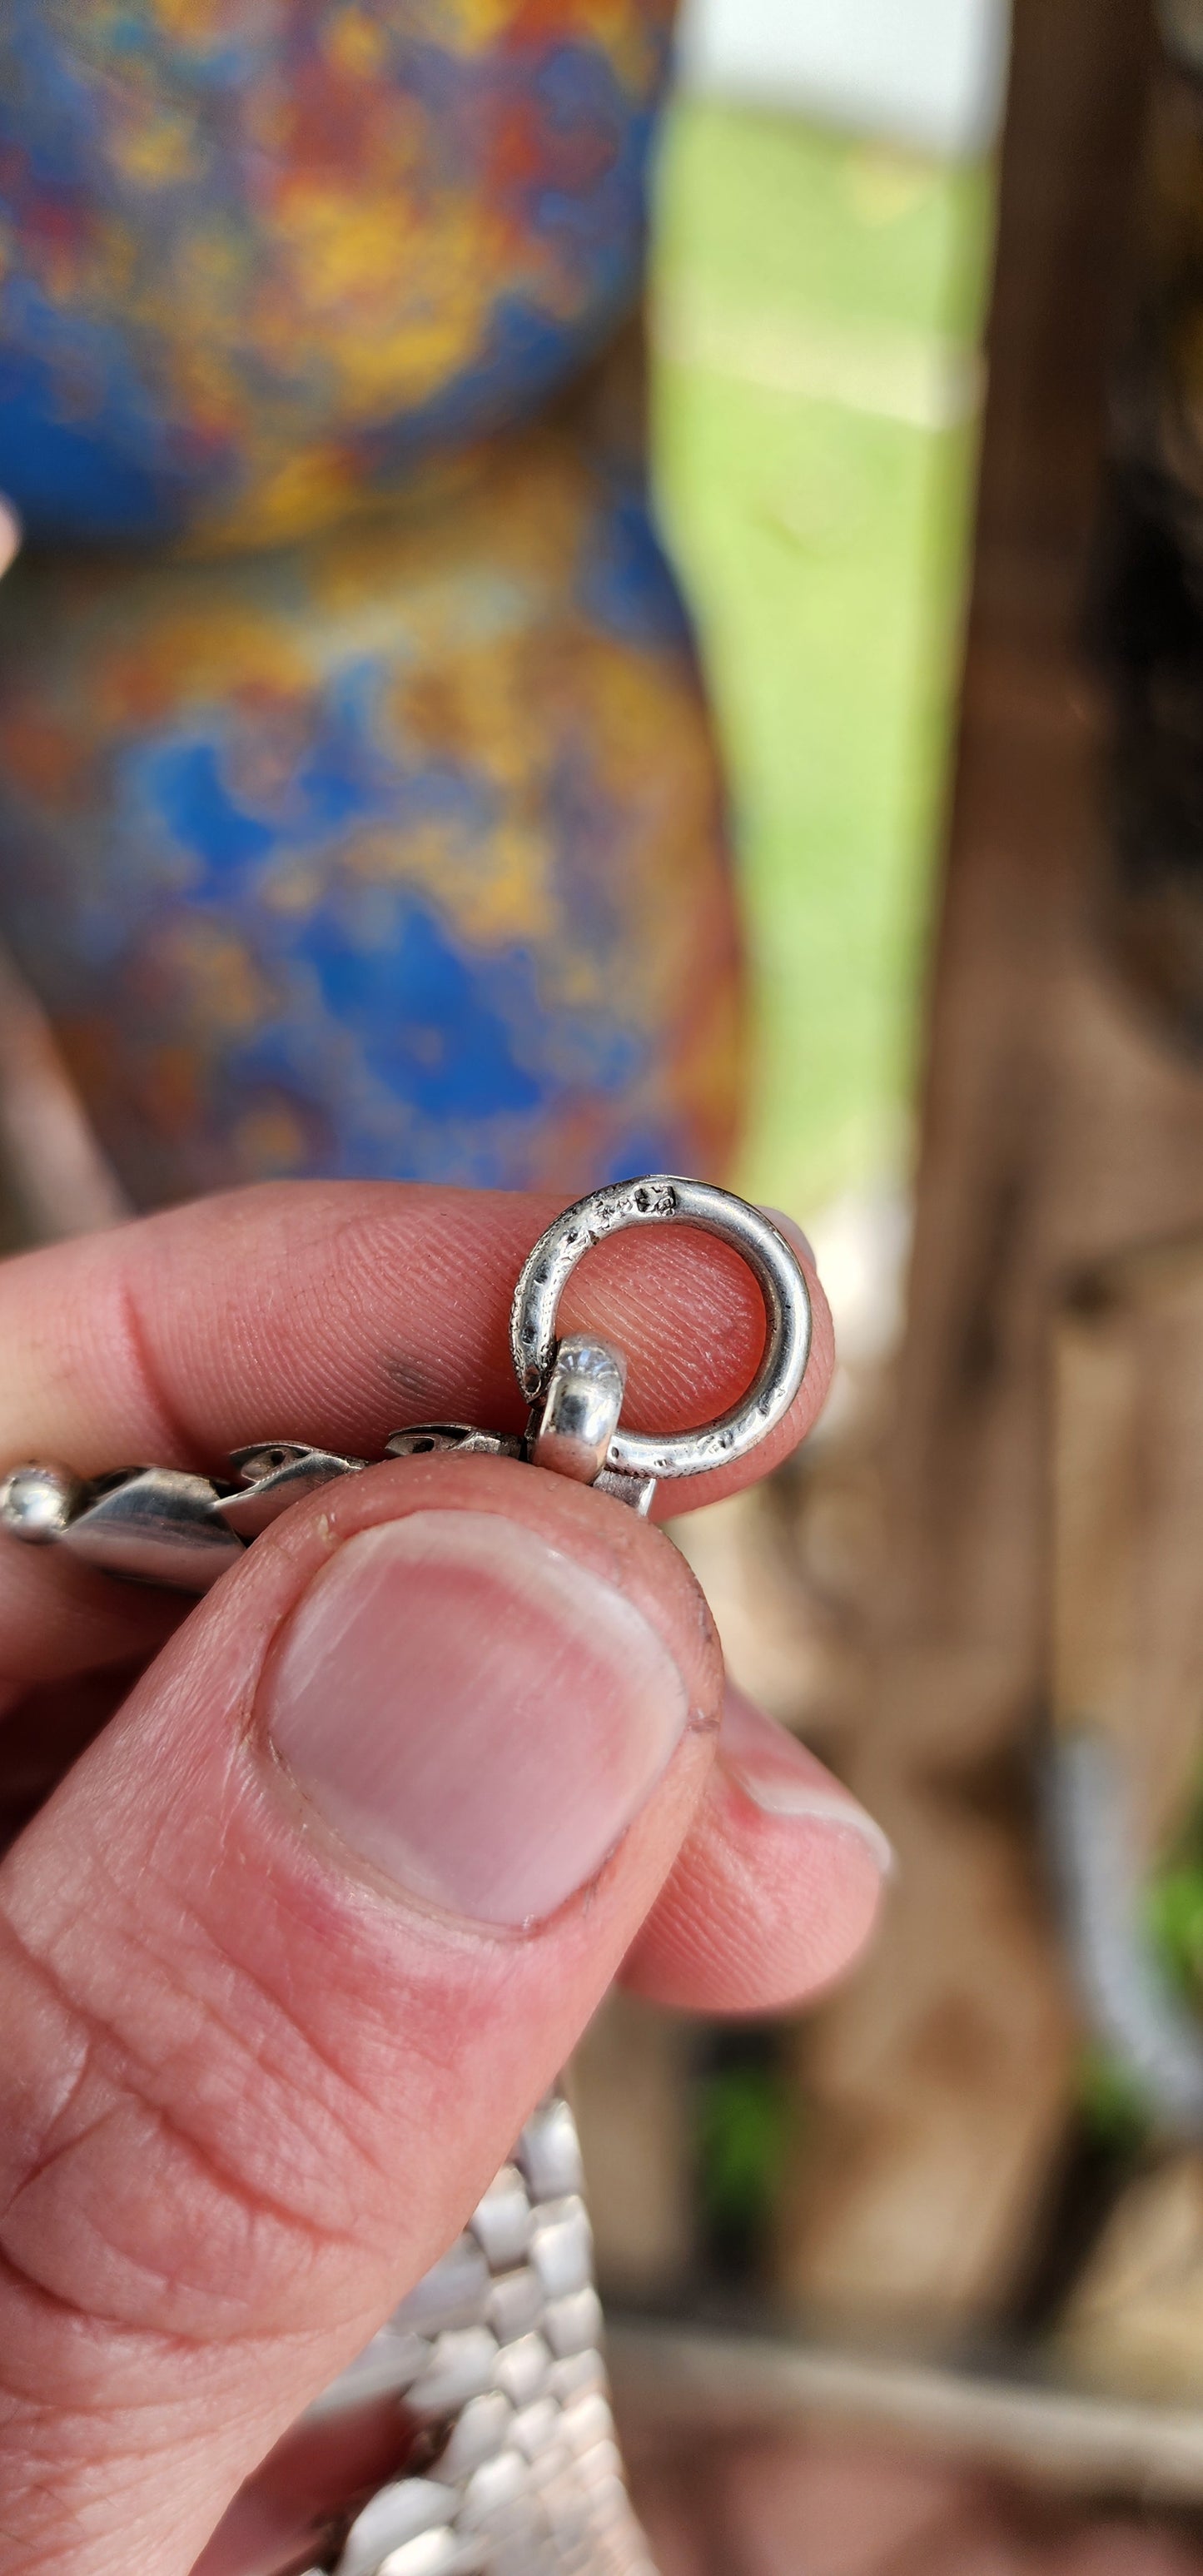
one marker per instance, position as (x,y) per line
(778,1274)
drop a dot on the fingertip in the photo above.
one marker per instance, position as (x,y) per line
(794,1236)
(778,1889)
(784,1780)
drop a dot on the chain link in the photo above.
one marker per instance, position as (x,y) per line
(498,2353)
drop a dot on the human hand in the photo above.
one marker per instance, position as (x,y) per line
(315,1884)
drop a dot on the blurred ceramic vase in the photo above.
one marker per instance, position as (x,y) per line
(397,852)
(261,256)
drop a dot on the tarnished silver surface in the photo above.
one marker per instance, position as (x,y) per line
(464,1439)
(580,1410)
(37,1502)
(150,1524)
(160,1524)
(637,1492)
(495,2356)
(667,1200)
(271,1477)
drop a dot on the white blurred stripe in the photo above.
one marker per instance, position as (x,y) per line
(927,71)
(916,378)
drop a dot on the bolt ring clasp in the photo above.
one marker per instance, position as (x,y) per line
(667,1200)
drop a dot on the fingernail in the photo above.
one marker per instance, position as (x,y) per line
(790,1228)
(783,1779)
(473,1712)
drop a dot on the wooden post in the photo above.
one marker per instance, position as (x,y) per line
(1058,1128)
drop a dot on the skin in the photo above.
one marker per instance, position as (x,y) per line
(249,2090)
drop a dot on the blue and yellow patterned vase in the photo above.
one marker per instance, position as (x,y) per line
(358,807)
(398,852)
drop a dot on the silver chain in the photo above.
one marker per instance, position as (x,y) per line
(498,2351)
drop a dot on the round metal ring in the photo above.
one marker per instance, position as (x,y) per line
(778,1274)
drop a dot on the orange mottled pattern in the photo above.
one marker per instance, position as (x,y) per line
(400,851)
(261,259)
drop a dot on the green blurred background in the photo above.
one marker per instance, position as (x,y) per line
(817,310)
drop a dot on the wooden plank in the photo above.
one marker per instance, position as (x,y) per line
(1057,1128)
(1127,1613)
(630,2086)
(681,2379)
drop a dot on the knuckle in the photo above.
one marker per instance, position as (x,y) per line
(183,2165)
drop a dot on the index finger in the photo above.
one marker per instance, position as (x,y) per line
(338,1312)
(333,1313)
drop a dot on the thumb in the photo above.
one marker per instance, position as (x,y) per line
(289,1957)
